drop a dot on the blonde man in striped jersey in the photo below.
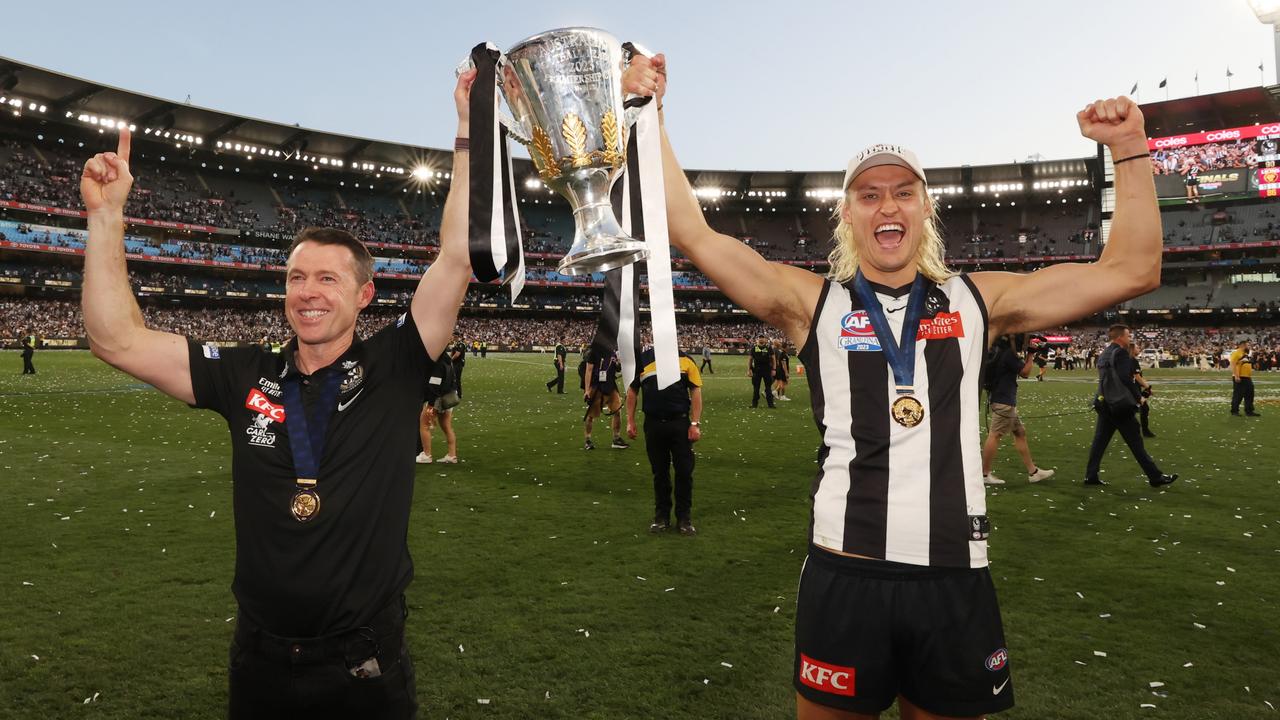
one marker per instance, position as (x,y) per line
(896,602)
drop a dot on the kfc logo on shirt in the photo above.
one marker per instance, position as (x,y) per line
(260,403)
(826,678)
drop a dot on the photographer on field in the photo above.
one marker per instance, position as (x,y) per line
(1004,366)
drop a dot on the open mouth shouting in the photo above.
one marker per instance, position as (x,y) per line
(890,235)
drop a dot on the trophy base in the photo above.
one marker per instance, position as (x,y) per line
(607,255)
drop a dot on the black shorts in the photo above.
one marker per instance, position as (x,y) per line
(869,630)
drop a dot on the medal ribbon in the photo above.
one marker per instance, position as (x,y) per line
(307,435)
(901,357)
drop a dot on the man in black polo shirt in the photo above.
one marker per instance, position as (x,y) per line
(562,356)
(672,423)
(322,451)
(760,365)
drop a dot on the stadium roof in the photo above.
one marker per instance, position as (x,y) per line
(65,98)
(1201,113)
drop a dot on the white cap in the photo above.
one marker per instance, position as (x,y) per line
(877,155)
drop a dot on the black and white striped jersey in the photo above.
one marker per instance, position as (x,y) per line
(910,495)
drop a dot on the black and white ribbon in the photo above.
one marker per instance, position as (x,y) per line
(497,249)
(639,200)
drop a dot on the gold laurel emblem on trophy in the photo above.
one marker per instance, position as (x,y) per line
(575,136)
(907,411)
(544,155)
(613,152)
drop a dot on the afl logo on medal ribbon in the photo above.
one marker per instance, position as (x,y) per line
(856,333)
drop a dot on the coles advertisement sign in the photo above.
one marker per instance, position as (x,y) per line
(1227,135)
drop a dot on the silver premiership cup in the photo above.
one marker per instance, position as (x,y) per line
(564,88)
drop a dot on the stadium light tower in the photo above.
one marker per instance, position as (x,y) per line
(1268,12)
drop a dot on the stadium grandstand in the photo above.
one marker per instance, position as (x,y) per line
(218,198)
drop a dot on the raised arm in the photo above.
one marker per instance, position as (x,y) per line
(444,285)
(112,320)
(781,295)
(1129,265)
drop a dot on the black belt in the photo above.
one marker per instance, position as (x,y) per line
(381,637)
(658,417)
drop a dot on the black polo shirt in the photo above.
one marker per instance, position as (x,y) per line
(335,572)
(760,357)
(671,401)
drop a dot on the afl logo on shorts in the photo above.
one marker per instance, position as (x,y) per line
(856,333)
(998,660)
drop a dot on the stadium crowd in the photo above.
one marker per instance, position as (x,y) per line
(62,319)
(1203,348)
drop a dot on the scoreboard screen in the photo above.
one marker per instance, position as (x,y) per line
(1227,164)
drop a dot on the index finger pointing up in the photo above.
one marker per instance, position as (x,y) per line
(126,139)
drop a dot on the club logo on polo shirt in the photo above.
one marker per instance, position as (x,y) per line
(834,679)
(856,333)
(354,378)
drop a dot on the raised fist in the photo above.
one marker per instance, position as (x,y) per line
(105,182)
(1117,123)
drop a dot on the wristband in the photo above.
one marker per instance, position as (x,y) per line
(461,144)
(1131,157)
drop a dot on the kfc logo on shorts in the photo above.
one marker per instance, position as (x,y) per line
(856,333)
(261,404)
(940,326)
(833,679)
(997,660)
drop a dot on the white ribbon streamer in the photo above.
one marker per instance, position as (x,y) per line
(662,307)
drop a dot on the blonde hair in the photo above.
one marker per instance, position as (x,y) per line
(930,256)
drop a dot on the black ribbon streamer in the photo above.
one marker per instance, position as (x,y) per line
(480,207)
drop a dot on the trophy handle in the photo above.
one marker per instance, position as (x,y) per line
(515,129)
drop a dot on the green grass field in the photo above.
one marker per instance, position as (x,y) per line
(539,590)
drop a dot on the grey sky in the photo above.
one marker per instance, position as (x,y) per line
(754,85)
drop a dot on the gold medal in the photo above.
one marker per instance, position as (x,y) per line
(907,411)
(306,502)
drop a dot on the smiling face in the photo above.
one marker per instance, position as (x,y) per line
(322,293)
(886,209)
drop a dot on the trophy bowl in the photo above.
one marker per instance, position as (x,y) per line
(564,88)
